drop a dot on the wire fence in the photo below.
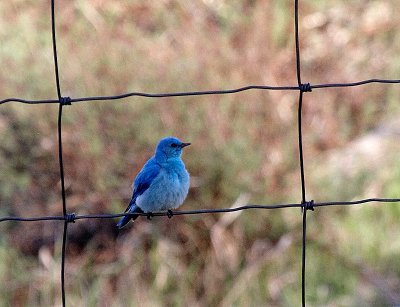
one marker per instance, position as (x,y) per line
(305,205)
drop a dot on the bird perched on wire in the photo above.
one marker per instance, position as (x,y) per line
(163,182)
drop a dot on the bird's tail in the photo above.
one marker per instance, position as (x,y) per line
(125,220)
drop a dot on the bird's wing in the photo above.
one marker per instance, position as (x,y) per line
(144,179)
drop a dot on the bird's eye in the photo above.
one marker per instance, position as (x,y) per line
(174,145)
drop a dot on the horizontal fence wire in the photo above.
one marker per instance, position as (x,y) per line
(72,217)
(202,93)
(304,205)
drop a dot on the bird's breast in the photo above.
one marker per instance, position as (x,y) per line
(168,191)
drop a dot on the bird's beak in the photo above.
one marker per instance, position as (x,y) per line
(185,144)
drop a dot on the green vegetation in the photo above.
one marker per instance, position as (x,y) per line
(243,145)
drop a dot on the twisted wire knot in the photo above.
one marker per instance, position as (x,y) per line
(65,101)
(308,205)
(306,87)
(70,217)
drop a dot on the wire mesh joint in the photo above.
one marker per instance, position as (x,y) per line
(305,87)
(65,101)
(70,217)
(308,205)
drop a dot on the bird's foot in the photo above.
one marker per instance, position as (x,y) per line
(150,215)
(170,213)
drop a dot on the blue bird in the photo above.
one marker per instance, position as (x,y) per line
(163,182)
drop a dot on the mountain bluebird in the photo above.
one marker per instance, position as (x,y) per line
(163,182)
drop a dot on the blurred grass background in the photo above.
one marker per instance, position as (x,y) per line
(244,149)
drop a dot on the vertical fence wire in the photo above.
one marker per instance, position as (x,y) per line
(301,159)
(60,151)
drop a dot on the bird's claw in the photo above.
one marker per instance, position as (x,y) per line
(150,215)
(170,214)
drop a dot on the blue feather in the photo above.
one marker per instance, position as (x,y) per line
(142,182)
(163,182)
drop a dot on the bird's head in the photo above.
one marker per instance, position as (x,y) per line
(170,147)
